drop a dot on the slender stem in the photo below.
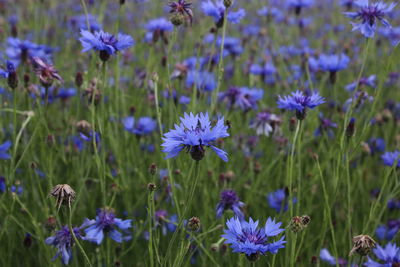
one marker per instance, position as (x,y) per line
(220,63)
(150,203)
(83,3)
(291,163)
(171,178)
(188,202)
(71,229)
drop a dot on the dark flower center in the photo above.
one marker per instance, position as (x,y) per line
(370,14)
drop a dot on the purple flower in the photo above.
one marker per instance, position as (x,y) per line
(389,256)
(21,50)
(333,63)
(278,200)
(161,218)
(327,257)
(325,126)
(157,28)
(230,200)
(246,237)
(368,14)
(217,11)
(242,97)
(144,126)
(299,102)
(106,223)
(46,72)
(388,231)
(104,42)
(3,185)
(376,145)
(194,133)
(391,158)
(265,123)
(182,7)
(64,241)
(364,81)
(204,80)
(3,150)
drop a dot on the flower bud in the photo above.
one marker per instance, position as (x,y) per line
(177,19)
(194,224)
(228,3)
(151,187)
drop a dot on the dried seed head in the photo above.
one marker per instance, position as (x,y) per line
(362,244)
(64,194)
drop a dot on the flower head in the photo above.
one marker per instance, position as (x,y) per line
(230,200)
(195,133)
(389,256)
(106,223)
(300,101)
(368,14)
(242,97)
(106,43)
(46,72)
(265,123)
(391,158)
(3,150)
(248,238)
(157,28)
(64,241)
(182,7)
(278,200)
(144,126)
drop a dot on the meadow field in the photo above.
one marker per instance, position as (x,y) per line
(199,132)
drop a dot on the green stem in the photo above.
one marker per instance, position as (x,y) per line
(71,229)
(83,3)
(220,63)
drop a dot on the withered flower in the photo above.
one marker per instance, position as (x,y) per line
(64,194)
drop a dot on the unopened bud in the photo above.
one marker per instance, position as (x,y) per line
(153,169)
(151,187)
(228,3)
(350,129)
(194,224)
(177,19)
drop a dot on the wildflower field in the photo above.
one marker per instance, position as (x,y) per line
(199,132)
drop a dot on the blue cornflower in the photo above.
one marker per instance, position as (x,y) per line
(391,158)
(389,256)
(157,28)
(333,62)
(242,97)
(326,256)
(393,34)
(144,126)
(21,50)
(297,5)
(265,123)
(106,223)
(388,231)
(217,11)
(232,46)
(376,145)
(230,200)
(325,126)
(267,71)
(106,43)
(246,237)
(64,241)
(10,68)
(278,200)
(3,150)
(364,81)
(204,80)
(3,185)
(194,133)
(299,102)
(79,22)
(10,74)
(368,14)
(165,222)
